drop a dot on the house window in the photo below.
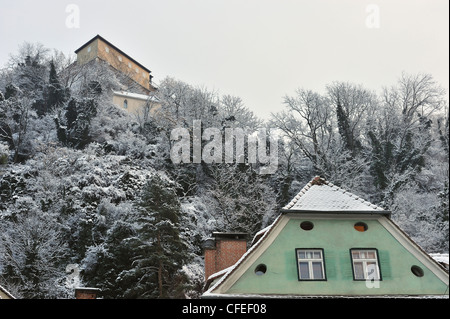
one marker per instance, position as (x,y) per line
(107,49)
(125,104)
(310,264)
(365,264)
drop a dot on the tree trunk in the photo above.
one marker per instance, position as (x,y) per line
(160,269)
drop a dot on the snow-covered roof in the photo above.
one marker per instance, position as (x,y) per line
(137,96)
(259,234)
(442,258)
(323,196)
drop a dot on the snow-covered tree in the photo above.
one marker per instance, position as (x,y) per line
(239,199)
(33,253)
(162,253)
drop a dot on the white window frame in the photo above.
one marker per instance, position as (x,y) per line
(310,260)
(361,256)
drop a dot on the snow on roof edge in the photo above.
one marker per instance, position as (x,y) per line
(6,292)
(136,96)
(321,181)
(440,257)
(243,257)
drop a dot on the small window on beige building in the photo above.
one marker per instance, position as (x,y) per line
(89,49)
(120,58)
(125,104)
(129,65)
(107,49)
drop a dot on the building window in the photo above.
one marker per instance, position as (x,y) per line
(120,58)
(107,49)
(310,264)
(365,264)
(125,104)
(89,49)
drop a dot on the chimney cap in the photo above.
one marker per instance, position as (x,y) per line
(230,235)
(87,289)
(210,243)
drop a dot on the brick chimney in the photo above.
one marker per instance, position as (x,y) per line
(223,251)
(86,293)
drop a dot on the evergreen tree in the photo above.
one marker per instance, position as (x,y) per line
(162,252)
(71,114)
(56,93)
(380,161)
(109,266)
(78,116)
(11,91)
(344,127)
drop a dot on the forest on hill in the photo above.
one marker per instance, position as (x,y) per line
(89,195)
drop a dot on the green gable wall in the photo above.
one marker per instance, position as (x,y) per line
(336,237)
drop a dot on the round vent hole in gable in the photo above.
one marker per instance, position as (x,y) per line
(417,271)
(361,227)
(260,270)
(306,225)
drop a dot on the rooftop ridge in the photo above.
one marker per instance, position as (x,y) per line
(319,181)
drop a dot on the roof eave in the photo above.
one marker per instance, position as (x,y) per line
(337,212)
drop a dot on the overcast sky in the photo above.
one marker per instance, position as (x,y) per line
(259,50)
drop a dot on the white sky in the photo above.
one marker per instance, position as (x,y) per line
(259,50)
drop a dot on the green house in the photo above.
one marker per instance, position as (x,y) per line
(328,242)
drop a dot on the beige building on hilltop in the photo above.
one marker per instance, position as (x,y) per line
(141,79)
